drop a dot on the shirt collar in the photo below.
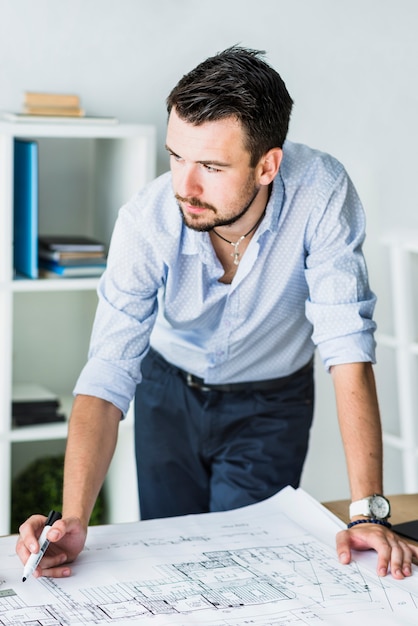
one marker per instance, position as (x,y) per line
(274,207)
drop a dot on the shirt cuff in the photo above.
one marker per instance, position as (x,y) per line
(114,386)
(348,349)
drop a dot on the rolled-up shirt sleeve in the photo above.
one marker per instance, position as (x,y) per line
(340,304)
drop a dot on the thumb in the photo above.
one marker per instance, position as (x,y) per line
(343,547)
(60,528)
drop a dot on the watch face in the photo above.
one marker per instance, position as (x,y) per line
(379,507)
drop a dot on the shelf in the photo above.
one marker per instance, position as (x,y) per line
(77,130)
(53,431)
(39,432)
(52,284)
(86,173)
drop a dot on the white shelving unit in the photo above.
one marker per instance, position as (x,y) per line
(399,380)
(86,172)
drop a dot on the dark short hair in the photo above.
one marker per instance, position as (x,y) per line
(237,83)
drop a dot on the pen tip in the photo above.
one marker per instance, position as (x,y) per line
(23,579)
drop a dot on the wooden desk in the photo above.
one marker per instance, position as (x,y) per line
(404,508)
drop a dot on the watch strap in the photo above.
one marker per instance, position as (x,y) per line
(360,507)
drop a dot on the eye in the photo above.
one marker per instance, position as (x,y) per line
(173,155)
(211,168)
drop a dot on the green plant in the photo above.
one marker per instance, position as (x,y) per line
(38,489)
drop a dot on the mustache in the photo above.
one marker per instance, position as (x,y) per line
(194,202)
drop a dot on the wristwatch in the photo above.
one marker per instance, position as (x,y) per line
(375,506)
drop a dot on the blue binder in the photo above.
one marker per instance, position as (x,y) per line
(25,225)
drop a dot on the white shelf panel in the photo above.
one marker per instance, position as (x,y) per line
(39,432)
(52,284)
(77,130)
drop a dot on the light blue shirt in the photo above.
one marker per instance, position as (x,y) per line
(301,283)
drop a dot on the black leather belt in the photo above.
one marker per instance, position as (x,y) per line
(257,385)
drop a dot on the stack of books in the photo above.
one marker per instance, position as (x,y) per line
(55,104)
(70,256)
(34,404)
(55,108)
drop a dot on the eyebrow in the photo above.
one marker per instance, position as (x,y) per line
(203,162)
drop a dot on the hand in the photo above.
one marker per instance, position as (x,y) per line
(67,538)
(392,551)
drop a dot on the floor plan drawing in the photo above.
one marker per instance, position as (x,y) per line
(253,567)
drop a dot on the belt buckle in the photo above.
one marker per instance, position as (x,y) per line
(193,384)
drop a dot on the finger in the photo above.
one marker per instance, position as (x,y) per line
(396,560)
(408,557)
(414,551)
(22,551)
(53,572)
(63,527)
(48,564)
(30,531)
(343,547)
(57,531)
(49,561)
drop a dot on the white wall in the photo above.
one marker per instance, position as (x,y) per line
(349,65)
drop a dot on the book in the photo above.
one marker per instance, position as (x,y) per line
(25,200)
(61,111)
(34,404)
(62,255)
(11,116)
(70,243)
(72,258)
(49,269)
(35,98)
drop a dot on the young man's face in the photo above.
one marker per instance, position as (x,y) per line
(212,179)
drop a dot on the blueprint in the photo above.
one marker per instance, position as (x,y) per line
(255,566)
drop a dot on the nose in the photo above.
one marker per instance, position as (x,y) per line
(188,184)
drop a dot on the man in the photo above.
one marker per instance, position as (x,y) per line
(239,262)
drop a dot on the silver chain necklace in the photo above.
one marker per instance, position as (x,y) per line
(235,244)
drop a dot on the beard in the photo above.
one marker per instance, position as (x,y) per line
(197,223)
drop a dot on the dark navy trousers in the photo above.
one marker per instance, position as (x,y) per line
(200,451)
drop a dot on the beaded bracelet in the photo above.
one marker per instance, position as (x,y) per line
(372,520)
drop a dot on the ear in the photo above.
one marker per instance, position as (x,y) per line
(268,165)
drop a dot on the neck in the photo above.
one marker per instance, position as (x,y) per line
(236,254)
(245,225)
